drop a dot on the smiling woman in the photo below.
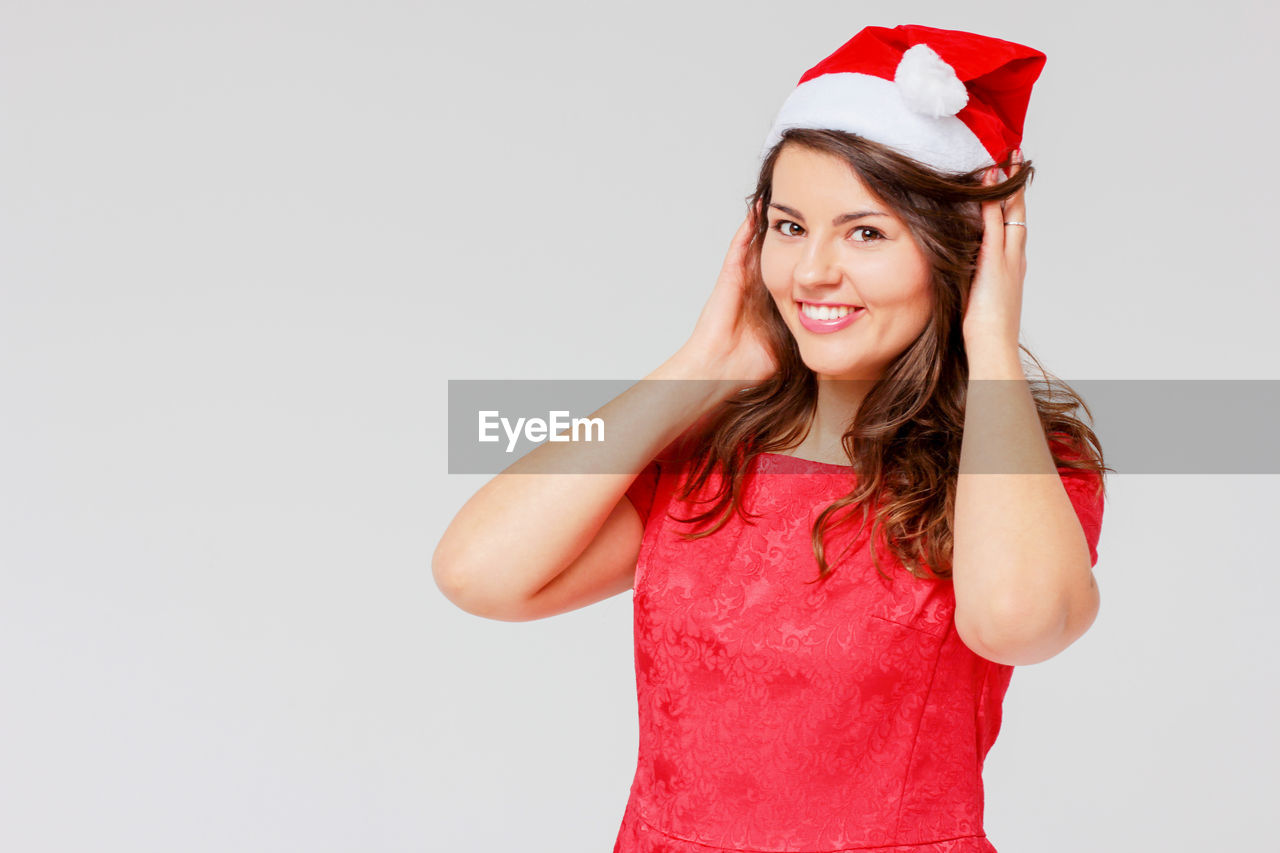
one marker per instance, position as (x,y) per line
(868,258)
(854,226)
(805,682)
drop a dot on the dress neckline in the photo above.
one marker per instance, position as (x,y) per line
(807,461)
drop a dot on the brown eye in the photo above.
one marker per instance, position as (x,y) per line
(780,227)
(860,228)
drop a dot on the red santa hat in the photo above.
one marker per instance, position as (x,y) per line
(952,100)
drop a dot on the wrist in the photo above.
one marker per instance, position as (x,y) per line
(698,363)
(708,378)
(994,359)
(684,364)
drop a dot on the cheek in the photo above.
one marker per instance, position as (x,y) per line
(904,286)
(915,302)
(920,307)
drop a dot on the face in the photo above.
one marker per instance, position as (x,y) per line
(853,289)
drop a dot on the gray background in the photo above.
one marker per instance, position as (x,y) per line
(244,246)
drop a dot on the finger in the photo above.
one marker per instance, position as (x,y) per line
(1015,206)
(992,221)
(1015,210)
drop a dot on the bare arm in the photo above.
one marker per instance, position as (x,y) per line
(531,544)
(522,529)
(1024,582)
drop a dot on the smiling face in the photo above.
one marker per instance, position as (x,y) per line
(854,289)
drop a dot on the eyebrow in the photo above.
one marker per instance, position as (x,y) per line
(837,222)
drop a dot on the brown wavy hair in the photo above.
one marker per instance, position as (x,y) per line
(904,441)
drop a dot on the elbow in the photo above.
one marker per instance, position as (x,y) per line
(1000,647)
(1025,627)
(451,579)
(1017,633)
(457,584)
(448,579)
(444,570)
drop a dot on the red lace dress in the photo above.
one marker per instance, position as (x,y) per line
(777,715)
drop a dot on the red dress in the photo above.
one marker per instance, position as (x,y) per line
(777,715)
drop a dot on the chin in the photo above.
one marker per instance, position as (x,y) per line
(825,357)
(838,370)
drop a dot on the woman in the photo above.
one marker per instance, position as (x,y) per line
(845,537)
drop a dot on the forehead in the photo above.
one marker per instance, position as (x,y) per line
(804,177)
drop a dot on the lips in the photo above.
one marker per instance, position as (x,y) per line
(831,317)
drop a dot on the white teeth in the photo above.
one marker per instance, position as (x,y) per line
(825,312)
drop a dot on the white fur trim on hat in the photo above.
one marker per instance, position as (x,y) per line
(928,84)
(873,107)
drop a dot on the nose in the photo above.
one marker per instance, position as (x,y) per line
(817,265)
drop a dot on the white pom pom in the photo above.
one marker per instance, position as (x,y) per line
(928,84)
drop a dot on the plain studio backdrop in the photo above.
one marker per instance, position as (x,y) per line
(246,244)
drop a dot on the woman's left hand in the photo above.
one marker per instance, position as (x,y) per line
(994,313)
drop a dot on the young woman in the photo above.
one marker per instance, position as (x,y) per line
(843,540)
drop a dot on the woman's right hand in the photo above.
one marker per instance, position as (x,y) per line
(725,341)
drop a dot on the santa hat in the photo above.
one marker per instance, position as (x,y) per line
(952,100)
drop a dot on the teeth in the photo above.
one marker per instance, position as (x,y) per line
(825,312)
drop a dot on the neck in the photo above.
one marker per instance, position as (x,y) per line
(838,402)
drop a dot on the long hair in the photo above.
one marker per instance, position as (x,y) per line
(904,441)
